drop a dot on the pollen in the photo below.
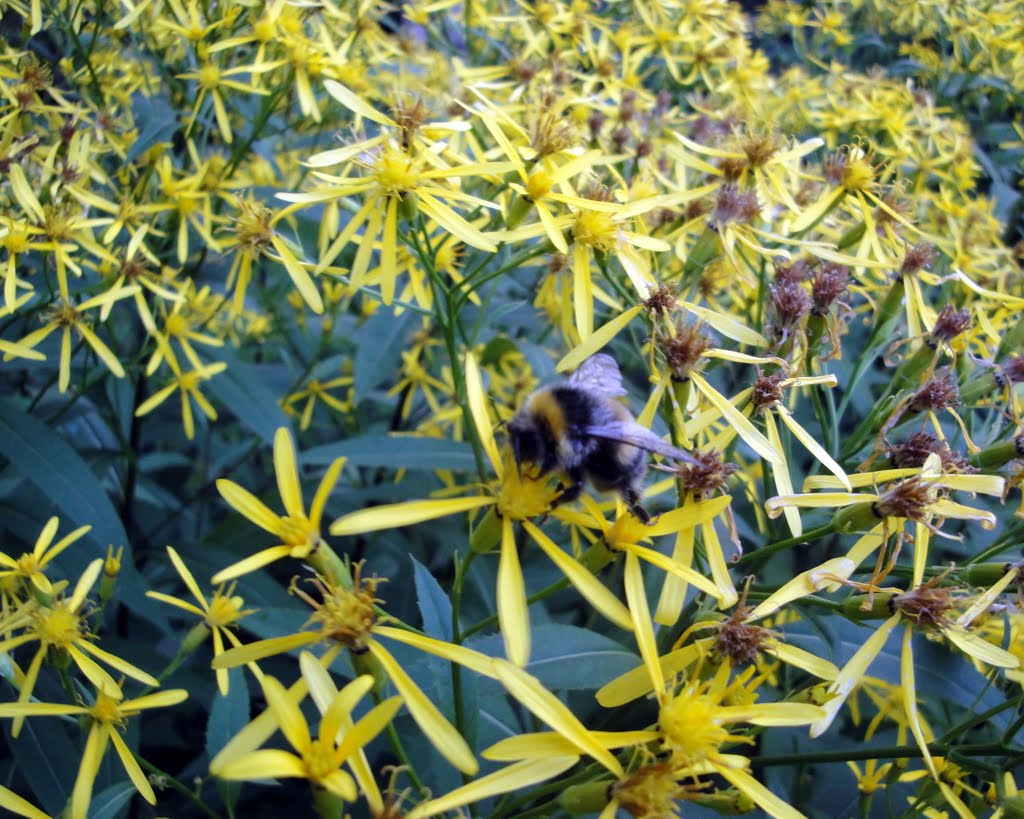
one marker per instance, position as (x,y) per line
(595,229)
(692,729)
(107,710)
(209,76)
(225,608)
(297,532)
(320,759)
(58,626)
(521,498)
(395,173)
(346,615)
(538,185)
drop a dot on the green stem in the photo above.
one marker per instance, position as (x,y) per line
(172,783)
(755,558)
(884,752)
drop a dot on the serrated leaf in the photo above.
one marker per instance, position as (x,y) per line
(435,607)
(396,452)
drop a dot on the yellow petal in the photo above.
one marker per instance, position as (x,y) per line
(798,658)
(18,806)
(771,713)
(544,705)
(476,397)
(510,779)
(666,563)
(355,103)
(636,683)
(597,339)
(473,660)
(746,430)
(435,727)
(764,798)
(268,763)
(287,473)
(986,599)
(249,506)
(513,614)
(131,767)
(264,648)
(186,577)
(852,673)
(819,500)
(394,515)
(803,584)
(909,690)
(252,563)
(123,666)
(287,715)
(92,756)
(595,592)
(813,446)
(728,327)
(548,743)
(636,597)
(970,643)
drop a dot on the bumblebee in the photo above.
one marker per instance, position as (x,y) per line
(581,428)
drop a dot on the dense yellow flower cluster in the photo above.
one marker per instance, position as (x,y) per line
(393,223)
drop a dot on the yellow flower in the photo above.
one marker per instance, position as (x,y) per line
(30,565)
(107,717)
(61,627)
(299,534)
(188,383)
(318,759)
(346,617)
(67,316)
(218,615)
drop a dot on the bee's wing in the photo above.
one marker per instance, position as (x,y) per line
(629,432)
(600,374)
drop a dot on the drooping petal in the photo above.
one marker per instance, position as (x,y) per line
(252,563)
(595,592)
(513,613)
(510,779)
(852,673)
(131,767)
(249,506)
(437,729)
(764,798)
(553,712)
(264,648)
(395,515)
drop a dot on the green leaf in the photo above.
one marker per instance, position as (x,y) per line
(47,759)
(396,452)
(379,350)
(567,657)
(435,607)
(228,716)
(40,454)
(109,802)
(243,389)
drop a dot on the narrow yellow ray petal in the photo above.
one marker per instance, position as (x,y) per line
(548,743)
(287,473)
(474,660)
(803,584)
(544,705)
(798,658)
(746,430)
(852,672)
(970,643)
(513,614)
(816,449)
(394,515)
(264,648)
(476,397)
(510,779)
(636,682)
(909,690)
(268,763)
(251,563)
(435,727)
(636,597)
(986,599)
(683,572)
(249,506)
(763,798)
(595,592)
(597,339)
(131,767)
(355,103)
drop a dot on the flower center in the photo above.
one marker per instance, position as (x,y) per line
(692,732)
(58,626)
(298,533)
(395,173)
(596,229)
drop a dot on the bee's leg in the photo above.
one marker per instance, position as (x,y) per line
(573,490)
(631,497)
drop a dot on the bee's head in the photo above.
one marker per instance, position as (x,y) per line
(524,436)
